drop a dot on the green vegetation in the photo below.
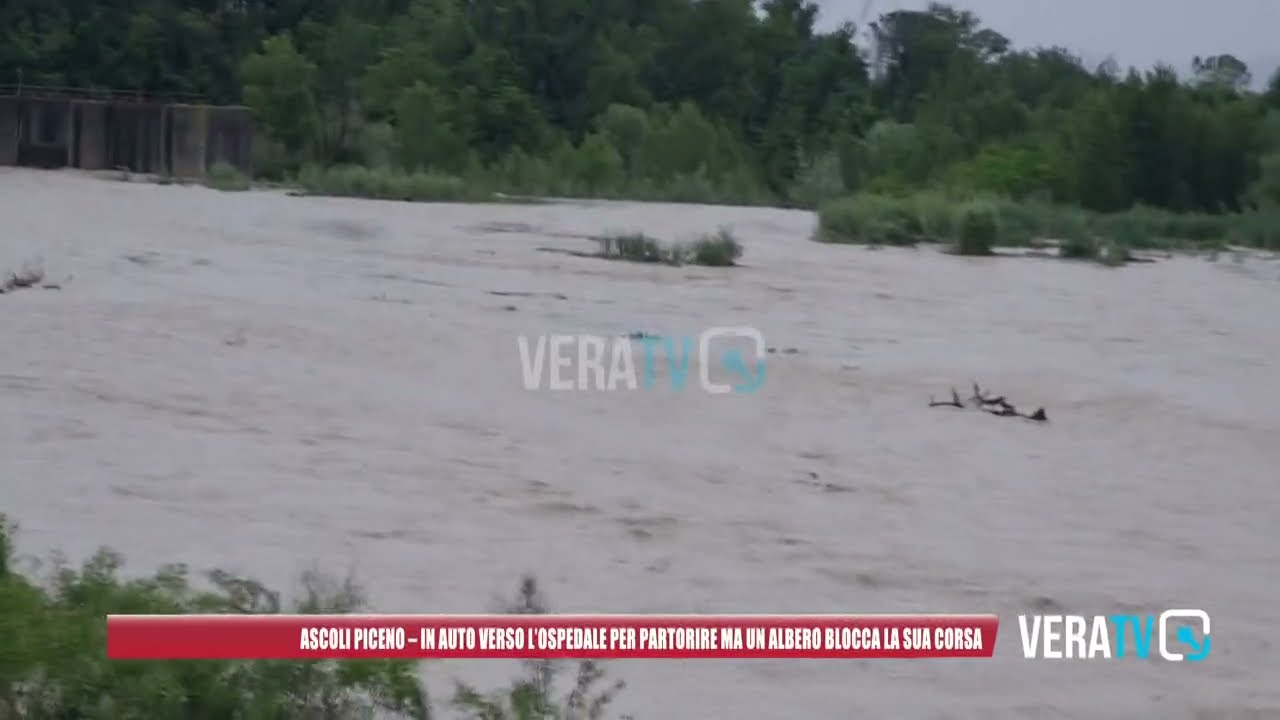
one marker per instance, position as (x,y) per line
(54,664)
(720,249)
(386,184)
(979,230)
(714,101)
(222,176)
(974,226)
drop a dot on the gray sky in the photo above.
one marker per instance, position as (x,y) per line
(1135,32)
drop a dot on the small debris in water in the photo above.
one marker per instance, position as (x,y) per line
(994,405)
(27,278)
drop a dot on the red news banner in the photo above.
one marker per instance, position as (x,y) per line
(252,637)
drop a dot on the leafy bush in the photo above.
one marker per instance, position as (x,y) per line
(1260,229)
(720,249)
(1079,247)
(636,247)
(53,660)
(1144,228)
(819,180)
(979,230)
(873,219)
(226,177)
(1020,223)
(936,215)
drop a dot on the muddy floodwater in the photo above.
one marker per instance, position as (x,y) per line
(263,383)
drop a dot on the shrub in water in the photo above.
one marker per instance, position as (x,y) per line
(636,247)
(979,229)
(721,249)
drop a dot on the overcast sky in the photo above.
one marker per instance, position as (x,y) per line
(1135,32)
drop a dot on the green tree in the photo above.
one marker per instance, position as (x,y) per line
(280,87)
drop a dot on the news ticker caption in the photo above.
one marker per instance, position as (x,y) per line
(597,637)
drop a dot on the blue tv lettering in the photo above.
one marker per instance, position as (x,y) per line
(751,380)
(1141,635)
(650,344)
(1188,638)
(680,372)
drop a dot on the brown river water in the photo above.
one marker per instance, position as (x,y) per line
(263,383)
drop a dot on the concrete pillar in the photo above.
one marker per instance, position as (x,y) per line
(188,140)
(231,138)
(93,135)
(10,116)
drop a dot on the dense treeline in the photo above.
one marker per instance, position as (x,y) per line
(707,99)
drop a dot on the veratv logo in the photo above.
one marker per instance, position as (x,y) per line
(1055,637)
(607,363)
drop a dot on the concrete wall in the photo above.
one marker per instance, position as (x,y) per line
(179,140)
(136,137)
(230,138)
(91,148)
(42,131)
(10,122)
(189,135)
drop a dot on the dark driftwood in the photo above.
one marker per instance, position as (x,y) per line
(953,402)
(996,405)
(981,400)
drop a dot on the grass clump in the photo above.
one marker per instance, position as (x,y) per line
(718,249)
(635,247)
(225,177)
(53,662)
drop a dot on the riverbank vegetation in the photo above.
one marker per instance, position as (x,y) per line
(718,101)
(54,663)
